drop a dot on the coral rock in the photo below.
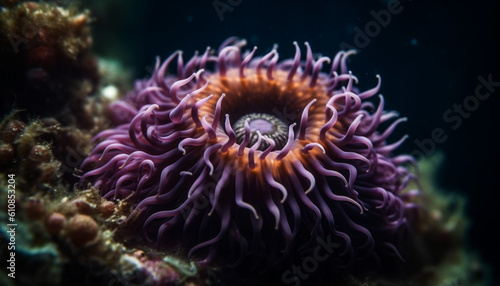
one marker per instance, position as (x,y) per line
(81,230)
(55,223)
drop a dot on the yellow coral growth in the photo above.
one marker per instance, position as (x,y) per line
(29,25)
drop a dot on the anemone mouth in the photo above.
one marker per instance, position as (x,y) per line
(273,107)
(255,94)
(265,124)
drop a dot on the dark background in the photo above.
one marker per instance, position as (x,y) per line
(429,56)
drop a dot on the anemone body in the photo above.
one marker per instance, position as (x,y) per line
(239,158)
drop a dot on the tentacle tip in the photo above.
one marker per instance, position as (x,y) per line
(352,52)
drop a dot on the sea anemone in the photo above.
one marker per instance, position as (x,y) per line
(236,158)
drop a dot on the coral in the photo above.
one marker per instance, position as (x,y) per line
(65,236)
(439,254)
(55,223)
(47,67)
(81,230)
(56,237)
(29,154)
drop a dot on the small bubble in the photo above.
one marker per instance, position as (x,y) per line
(110,92)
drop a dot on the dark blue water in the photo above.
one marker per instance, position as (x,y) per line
(430,55)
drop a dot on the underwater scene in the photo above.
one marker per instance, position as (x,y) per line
(238,142)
